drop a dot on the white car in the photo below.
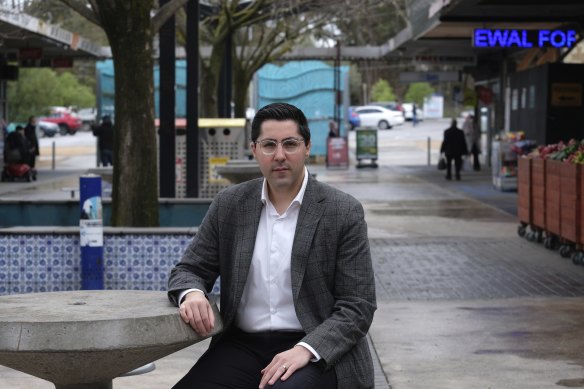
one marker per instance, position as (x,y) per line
(409,111)
(382,118)
(47,128)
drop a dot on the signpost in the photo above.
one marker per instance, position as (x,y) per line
(91,232)
(366,146)
(337,152)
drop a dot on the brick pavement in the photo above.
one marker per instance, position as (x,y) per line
(479,268)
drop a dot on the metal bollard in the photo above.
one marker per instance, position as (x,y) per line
(91,232)
(429,151)
(53,160)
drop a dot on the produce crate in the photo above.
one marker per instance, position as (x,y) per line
(524,188)
(552,196)
(580,216)
(538,184)
(570,215)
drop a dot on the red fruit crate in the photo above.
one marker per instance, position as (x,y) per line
(524,209)
(538,185)
(552,196)
(570,215)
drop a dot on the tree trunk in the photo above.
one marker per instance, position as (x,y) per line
(240,90)
(210,82)
(135,180)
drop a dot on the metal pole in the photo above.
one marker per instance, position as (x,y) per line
(167,131)
(429,147)
(53,160)
(192,47)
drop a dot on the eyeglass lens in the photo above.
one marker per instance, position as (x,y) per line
(269,146)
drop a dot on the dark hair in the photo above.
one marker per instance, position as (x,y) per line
(280,112)
(19,127)
(30,119)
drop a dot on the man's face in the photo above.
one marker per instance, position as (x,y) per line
(284,170)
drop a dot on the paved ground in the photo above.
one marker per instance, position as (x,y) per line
(463,302)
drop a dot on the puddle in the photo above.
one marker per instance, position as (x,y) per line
(448,208)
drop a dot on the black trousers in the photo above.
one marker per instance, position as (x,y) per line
(236,361)
(457,165)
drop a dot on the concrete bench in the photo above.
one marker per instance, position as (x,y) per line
(84,339)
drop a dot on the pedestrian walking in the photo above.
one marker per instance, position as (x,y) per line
(297,286)
(454,148)
(473,140)
(30,132)
(414,115)
(105,141)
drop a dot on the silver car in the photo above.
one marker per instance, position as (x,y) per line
(382,118)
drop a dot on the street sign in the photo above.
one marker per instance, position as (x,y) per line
(409,77)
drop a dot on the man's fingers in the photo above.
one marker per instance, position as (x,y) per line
(199,316)
(211,318)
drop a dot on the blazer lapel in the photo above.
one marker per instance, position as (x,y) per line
(310,213)
(244,239)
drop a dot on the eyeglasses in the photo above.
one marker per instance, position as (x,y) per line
(289,145)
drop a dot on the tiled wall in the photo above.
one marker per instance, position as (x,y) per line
(45,262)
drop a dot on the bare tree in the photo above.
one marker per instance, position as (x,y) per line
(130,27)
(261,32)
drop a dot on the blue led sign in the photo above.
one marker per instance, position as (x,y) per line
(523,38)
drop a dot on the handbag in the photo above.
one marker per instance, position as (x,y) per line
(441,163)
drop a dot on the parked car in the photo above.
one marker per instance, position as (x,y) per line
(376,116)
(88,117)
(393,105)
(408,109)
(47,129)
(353,118)
(67,122)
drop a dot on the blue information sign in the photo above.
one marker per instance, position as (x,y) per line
(484,37)
(91,232)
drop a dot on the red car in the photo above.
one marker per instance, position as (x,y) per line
(68,124)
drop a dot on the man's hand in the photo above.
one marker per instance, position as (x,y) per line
(196,311)
(285,364)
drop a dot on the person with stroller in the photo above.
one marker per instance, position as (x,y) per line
(17,149)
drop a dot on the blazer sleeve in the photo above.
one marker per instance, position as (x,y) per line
(199,264)
(348,317)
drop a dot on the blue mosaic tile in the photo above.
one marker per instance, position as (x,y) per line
(48,262)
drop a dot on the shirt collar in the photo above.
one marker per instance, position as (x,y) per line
(299,196)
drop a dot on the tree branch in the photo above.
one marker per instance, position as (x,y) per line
(165,12)
(81,8)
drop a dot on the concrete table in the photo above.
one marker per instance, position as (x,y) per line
(84,339)
(239,170)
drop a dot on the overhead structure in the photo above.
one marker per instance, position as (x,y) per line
(26,41)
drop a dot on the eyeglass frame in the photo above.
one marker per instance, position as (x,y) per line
(281,142)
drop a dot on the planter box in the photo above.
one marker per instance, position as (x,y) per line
(538,184)
(552,196)
(524,187)
(570,215)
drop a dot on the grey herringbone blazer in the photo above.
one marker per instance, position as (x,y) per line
(332,276)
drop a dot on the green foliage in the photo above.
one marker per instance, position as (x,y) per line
(38,89)
(381,91)
(417,91)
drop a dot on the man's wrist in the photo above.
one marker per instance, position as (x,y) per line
(184,293)
(316,356)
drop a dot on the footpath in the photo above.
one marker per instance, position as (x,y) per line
(463,301)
